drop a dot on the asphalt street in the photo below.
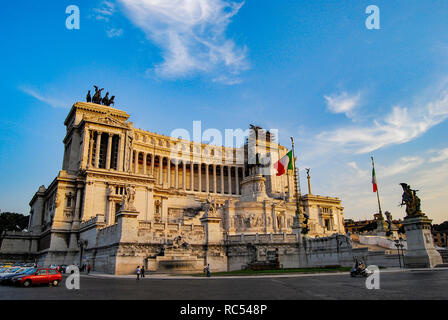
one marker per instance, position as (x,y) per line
(431,284)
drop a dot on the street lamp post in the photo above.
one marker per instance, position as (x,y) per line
(397,244)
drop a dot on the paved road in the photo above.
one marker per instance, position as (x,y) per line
(397,285)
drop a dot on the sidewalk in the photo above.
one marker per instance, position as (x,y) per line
(161,276)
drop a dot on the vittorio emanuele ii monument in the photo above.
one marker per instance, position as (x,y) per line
(128,197)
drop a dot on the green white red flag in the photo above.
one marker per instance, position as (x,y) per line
(375,186)
(285,163)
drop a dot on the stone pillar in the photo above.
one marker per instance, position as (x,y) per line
(153,158)
(207,179)
(222,179)
(237,184)
(200,176)
(176,171)
(137,156)
(214,179)
(109,150)
(85,148)
(97,151)
(91,149)
(120,166)
(184,175)
(168,172)
(144,162)
(192,175)
(230,179)
(160,170)
(73,246)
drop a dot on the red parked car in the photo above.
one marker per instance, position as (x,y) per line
(41,276)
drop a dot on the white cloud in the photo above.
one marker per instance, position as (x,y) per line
(442,155)
(106,10)
(402,165)
(191,34)
(401,125)
(343,103)
(54,102)
(111,33)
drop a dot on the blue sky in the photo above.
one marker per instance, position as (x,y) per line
(309,68)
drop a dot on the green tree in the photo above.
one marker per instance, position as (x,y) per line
(10,221)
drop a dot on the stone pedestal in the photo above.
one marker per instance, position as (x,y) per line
(253,188)
(381,228)
(420,245)
(213,232)
(127,225)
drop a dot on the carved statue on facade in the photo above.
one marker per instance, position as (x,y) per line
(129,147)
(88,97)
(210,207)
(179,242)
(128,199)
(411,201)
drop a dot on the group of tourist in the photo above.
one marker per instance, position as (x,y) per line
(140,272)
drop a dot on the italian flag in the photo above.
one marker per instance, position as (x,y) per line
(284,164)
(375,186)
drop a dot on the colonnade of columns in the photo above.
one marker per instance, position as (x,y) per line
(105,150)
(183,175)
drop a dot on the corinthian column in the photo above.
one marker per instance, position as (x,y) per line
(144,162)
(176,172)
(120,154)
(184,175)
(153,158)
(230,179)
(207,182)
(97,151)
(200,176)
(85,148)
(236,181)
(161,170)
(192,175)
(222,179)
(168,172)
(214,179)
(109,150)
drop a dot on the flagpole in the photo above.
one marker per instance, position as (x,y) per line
(377,190)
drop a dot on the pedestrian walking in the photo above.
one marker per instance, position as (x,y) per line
(138,272)
(88,268)
(143,271)
(208,271)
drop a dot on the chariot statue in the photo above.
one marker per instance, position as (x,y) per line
(106,101)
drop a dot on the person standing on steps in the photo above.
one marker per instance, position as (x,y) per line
(138,272)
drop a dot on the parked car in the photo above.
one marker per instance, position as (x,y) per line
(10,270)
(7,278)
(40,276)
